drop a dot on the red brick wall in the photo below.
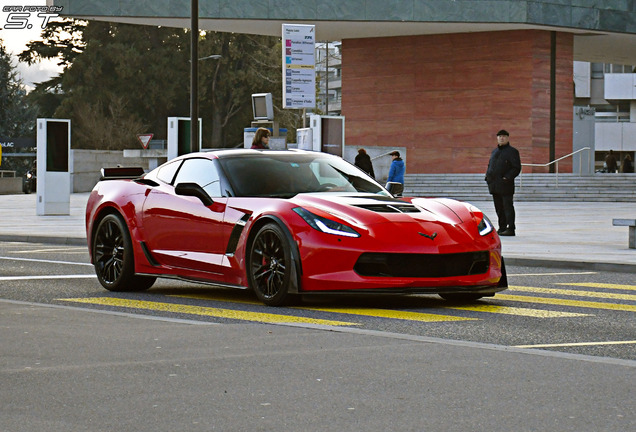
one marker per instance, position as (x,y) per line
(444,97)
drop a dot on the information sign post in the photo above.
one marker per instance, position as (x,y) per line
(299,66)
(53,167)
(179,142)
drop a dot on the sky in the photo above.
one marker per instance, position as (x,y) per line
(15,40)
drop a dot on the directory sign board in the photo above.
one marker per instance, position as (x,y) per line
(299,66)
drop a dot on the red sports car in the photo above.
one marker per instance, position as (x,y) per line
(282,223)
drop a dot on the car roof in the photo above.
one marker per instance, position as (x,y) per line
(223,153)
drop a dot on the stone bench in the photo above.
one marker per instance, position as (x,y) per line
(631,223)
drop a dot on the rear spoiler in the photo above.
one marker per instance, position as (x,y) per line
(121,173)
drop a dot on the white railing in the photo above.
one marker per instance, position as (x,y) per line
(556,163)
(7,173)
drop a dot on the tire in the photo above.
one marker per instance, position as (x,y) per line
(269,266)
(461,297)
(113,257)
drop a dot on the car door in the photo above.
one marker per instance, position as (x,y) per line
(181,231)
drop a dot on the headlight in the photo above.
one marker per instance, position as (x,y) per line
(484,226)
(325,225)
(29,175)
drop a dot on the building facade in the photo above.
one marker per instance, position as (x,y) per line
(608,91)
(437,78)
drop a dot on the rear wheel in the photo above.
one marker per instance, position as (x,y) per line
(113,257)
(269,265)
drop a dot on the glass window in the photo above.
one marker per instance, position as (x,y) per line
(166,173)
(286,175)
(202,172)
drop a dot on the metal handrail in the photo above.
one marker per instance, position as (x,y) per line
(556,161)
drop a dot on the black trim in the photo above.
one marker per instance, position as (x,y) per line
(235,235)
(153,262)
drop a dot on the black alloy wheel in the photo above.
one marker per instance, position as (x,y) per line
(113,257)
(269,265)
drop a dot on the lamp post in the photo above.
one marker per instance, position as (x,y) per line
(194,78)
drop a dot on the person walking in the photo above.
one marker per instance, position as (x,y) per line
(363,161)
(503,167)
(610,162)
(628,165)
(261,139)
(395,182)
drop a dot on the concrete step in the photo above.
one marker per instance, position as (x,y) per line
(529,187)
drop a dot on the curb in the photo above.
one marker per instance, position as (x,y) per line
(75,241)
(575,265)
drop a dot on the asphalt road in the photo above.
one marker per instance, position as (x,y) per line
(557,350)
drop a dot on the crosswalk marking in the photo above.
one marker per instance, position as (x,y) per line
(205,311)
(507,310)
(393,314)
(578,293)
(567,302)
(372,312)
(406,315)
(600,285)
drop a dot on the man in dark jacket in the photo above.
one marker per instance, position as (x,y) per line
(503,167)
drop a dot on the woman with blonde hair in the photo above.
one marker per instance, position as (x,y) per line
(261,139)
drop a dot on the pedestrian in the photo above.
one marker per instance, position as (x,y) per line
(628,166)
(261,139)
(395,182)
(610,162)
(503,167)
(363,161)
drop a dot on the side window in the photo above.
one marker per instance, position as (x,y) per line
(166,172)
(202,172)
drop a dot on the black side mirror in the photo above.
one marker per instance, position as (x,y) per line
(193,189)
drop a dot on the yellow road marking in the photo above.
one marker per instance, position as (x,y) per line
(557,291)
(379,313)
(566,302)
(393,314)
(205,311)
(601,285)
(507,310)
(573,344)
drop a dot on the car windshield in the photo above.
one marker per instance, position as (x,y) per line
(288,174)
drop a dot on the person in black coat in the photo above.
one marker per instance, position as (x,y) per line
(363,161)
(503,167)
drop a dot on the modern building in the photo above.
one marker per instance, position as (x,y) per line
(434,78)
(608,93)
(329,77)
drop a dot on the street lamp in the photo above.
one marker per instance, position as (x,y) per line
(213,56)
(194,71)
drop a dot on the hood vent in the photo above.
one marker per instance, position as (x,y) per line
(391,208)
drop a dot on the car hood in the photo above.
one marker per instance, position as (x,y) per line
(370,209)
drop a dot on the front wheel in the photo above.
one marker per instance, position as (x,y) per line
(113,257)
(269,265)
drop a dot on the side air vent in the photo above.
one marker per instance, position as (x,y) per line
(390,208)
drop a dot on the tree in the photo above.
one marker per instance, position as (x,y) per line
(16,118)
(136,76)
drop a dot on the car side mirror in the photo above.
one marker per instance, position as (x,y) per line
(193,189)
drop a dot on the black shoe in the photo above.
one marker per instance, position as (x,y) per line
(509,232)
(500,230)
